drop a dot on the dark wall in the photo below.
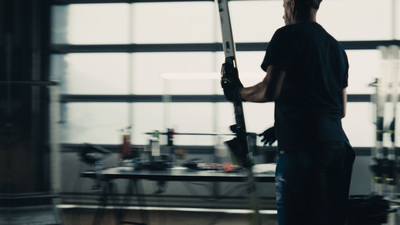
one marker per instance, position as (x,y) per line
(24,149)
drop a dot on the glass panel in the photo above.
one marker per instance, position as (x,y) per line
(388,118)
(148,68)
(250,62)
(249,66)
(397,127)
(357,19)
(397,20)
(259,116)
(146,117)
(191,118)
(360,75)
(225,117)
(90,24)
(174,22)
(358,124)
(184,118)
(93,122)
(255,21)
(364,68)
(91,73)
(190,83)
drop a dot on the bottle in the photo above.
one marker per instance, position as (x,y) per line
(126,148)
(155,145)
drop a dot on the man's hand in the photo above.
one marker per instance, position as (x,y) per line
(268,135)
(230,82)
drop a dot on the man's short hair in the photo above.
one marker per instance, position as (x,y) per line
(308,3)
(304,7)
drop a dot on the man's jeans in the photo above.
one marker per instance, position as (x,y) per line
(312,185)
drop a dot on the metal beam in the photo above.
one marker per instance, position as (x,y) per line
(65,2)
(197,47)
(172,98)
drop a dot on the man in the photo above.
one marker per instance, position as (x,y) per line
(307,73)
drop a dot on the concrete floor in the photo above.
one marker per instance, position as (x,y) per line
(87,217)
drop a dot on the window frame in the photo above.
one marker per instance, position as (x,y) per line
(186,47)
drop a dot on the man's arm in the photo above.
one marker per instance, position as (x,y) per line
(268,89)
(344,102)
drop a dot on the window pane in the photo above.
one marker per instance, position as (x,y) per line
(397,20)
(366,133)
(364,68)
(90,24)
(190,83)
(250,62)
(146,117)
(93,122)
(183,118)
(148,68)
(358,124)
(174,22)
(258,117)
(91,73)
(191,118)
(357,19)
(225,117)
(255,21)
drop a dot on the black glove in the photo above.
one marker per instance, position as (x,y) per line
(230,82)
(269,136)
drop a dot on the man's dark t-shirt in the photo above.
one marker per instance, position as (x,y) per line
(310,106)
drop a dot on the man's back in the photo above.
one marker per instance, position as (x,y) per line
(310,106)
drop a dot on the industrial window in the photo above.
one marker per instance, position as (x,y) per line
(174,22)
(117,61)
(148,69)
(93,122)
(90,24)
(358,19)
(364,68)
(92,73)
